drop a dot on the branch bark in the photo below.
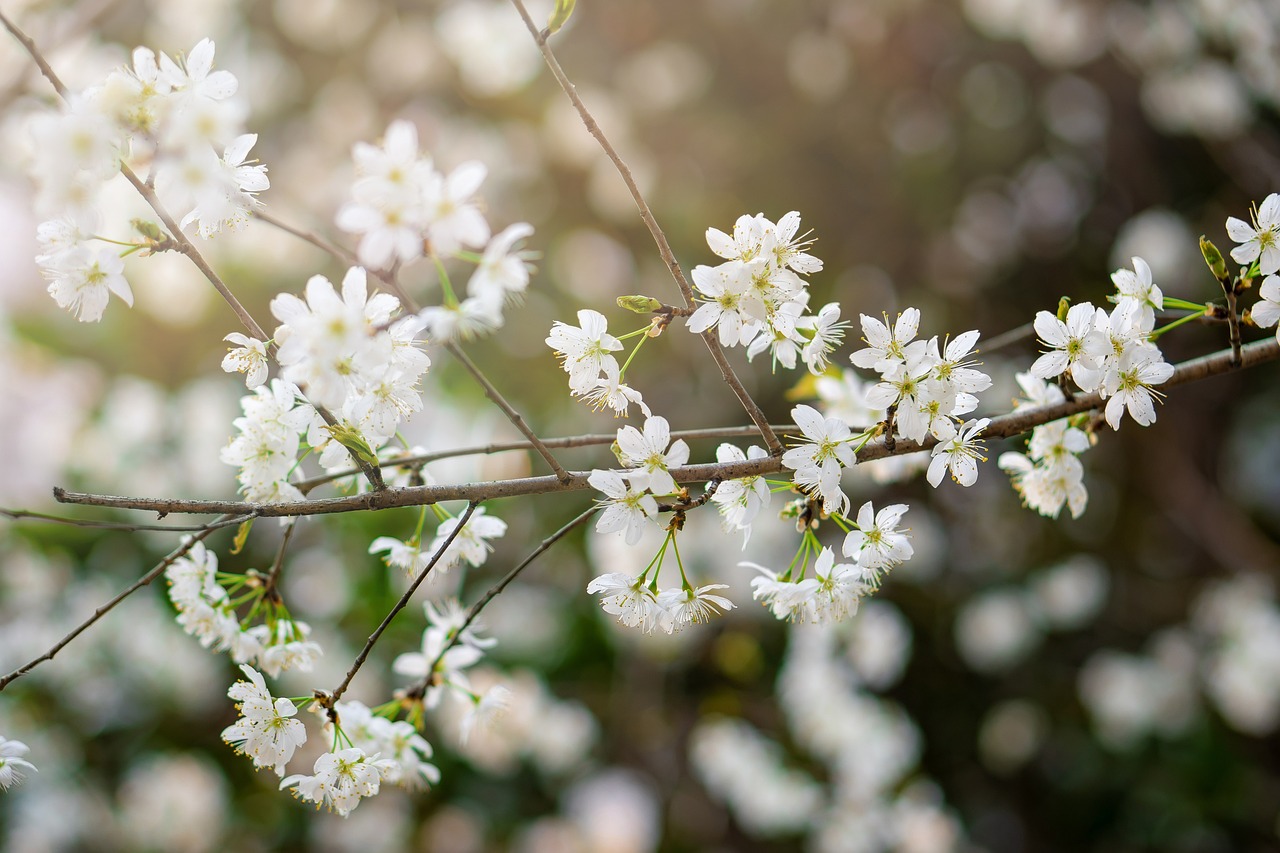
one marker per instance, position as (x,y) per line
(1002,426)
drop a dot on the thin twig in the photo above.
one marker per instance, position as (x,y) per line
(418,690)
(1009,338)
(331,699)
(126,527)
(709,337)
(589,440)
(277,565)
(1002,426)
(512,415)
(338,252)
(173,556)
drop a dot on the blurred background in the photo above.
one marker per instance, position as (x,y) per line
(1024,684)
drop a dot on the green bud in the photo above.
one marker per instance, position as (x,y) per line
(560,15)
(350,438)
(617,454)
(1212,257)
(1064,305)
(147,229)
(639,304)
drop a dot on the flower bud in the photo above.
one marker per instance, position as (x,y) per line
(560,15)
(1212,257)
(639,304)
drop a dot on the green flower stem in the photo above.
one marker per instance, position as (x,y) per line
(671,534)
(1175,303)
(1176,323)
(446,287)
(623,372)
(641,331)
(657,559)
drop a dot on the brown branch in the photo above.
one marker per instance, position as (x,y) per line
(512,415)
(21,514)
(333,249)
(331,699)
(110,605)
(659,238)
(419,689)
(1002,426)
(589,440)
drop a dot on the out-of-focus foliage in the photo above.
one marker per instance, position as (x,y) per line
(1103,683)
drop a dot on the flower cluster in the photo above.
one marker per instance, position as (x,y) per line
(1049,475)
(471,544)
(1110,353)
(756,297)
(928,384)
(179,119)
(639,603)
(395,741)
(874,544)
(208,613)
(456,647)
(403,209)
(266,730)
(348,354)
(594,374)
(340,779)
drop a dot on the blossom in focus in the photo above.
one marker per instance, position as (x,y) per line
(1261,241)
(341,779)
(266,730)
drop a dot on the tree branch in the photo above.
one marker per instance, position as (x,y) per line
(421,688)
(589,440)
(1002,426)
(659,238)
(331,699)
(173,556)
(512,415)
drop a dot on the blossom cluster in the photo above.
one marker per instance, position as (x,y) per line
(756,297)
(344,352)
(470,545)
(1111,353)
(1049,475)
(929,385)
(179,119)
(584,352)
(403,209)
(449,647)
(874,544)
(208,613)
(639,603)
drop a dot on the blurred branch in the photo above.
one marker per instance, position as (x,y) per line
(146,579)
(709,337)
(420,689)
(1002,426)
(512,415)
(330,699)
